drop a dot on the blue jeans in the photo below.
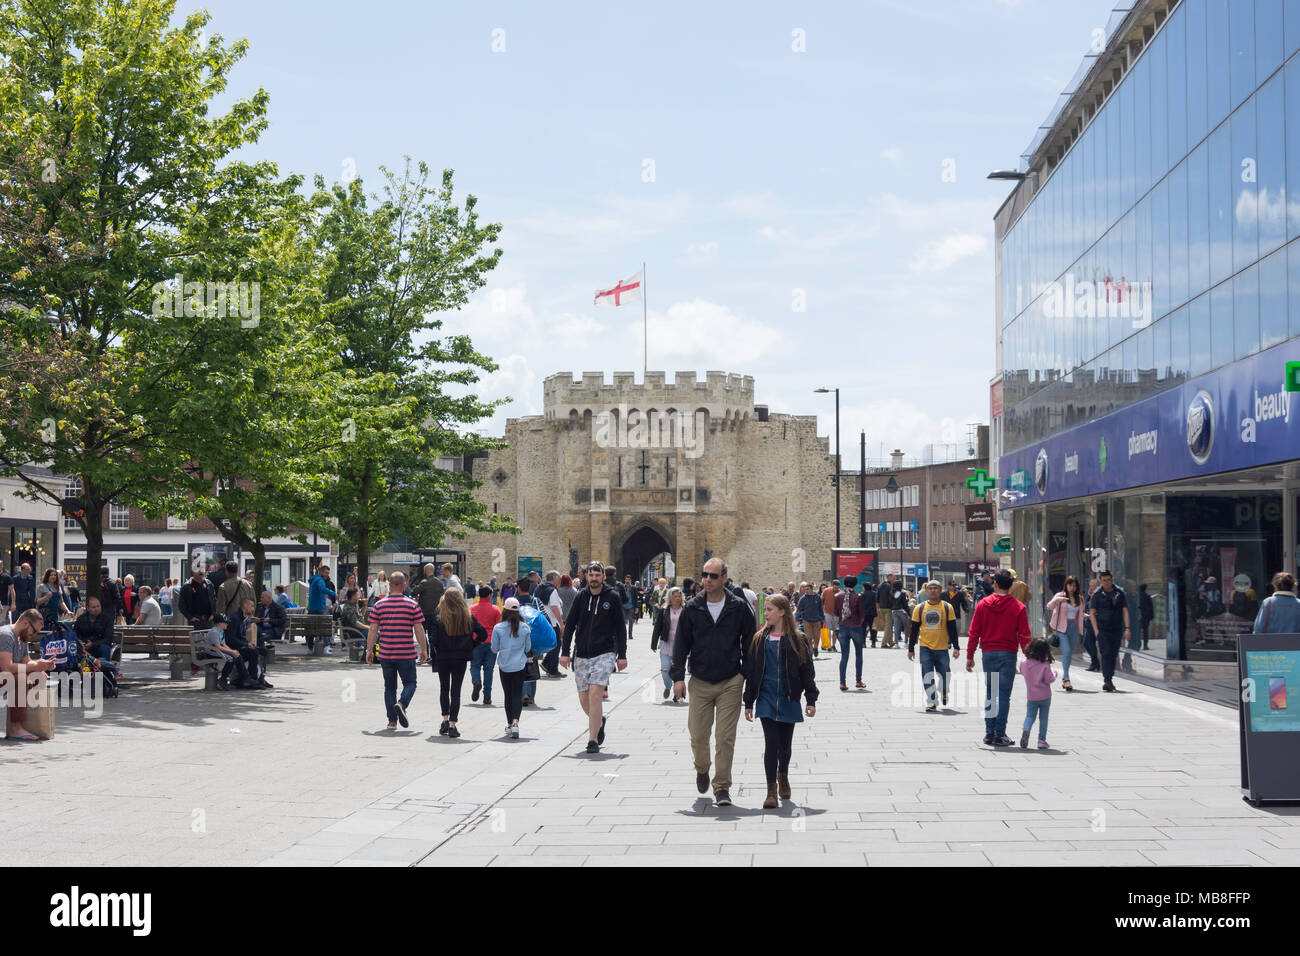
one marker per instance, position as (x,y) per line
(481,666)
(998,666)
(850,633)
(1039,709)
(935,671)
(1069,640)
(666,662)
(530,690)
(392,671)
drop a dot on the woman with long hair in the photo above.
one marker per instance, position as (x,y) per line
(49,598)
(1067,611)
(778,672)
(661,638)
(452,635)
(512,643)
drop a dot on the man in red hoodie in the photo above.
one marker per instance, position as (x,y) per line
(1001,626)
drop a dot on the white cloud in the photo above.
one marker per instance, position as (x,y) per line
(616,218)
(513,380)
(706,332)
(753,206)
(702,252)
(893,154)
(943,253)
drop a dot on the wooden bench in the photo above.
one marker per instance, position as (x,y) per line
(319,628)
(153,640)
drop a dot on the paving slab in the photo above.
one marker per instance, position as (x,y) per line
(307,775)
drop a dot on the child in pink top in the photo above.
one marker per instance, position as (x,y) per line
(1038,673)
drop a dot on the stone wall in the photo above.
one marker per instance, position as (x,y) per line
(757,494)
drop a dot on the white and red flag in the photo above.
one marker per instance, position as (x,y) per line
(627,290)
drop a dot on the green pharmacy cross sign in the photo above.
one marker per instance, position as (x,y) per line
(1101,453)
(980,482)
(1293,376)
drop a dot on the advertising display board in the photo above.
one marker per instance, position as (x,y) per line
(1269,669)
(859,562)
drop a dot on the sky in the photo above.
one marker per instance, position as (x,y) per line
(804,181)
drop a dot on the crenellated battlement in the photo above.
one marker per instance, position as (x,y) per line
(723,394)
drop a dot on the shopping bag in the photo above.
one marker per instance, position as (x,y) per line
(826,638)
(39,719)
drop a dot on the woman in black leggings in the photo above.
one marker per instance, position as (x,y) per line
(778,672)
(452,636)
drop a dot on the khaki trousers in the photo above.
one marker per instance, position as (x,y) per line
(705,699)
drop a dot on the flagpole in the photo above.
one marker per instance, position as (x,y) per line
(645,327)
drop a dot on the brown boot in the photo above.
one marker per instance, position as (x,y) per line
(771,802)
(784,783)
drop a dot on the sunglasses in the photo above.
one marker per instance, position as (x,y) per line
(710,574)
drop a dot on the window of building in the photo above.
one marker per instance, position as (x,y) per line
(151,572)
(119,518)
(72,491)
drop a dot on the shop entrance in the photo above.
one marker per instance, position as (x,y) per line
(1223,550)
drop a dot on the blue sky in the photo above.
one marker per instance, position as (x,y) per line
(774,171)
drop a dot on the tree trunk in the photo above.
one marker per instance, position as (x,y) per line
(259,566)
(363,529)
(363,560)
(94,528)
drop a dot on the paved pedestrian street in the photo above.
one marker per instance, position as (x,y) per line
(306,774)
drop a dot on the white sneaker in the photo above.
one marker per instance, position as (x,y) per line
(514,731)
(509,728)
(328,650)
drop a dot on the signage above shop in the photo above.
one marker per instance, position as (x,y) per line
(1239,417)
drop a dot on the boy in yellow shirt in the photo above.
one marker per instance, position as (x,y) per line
(935,623)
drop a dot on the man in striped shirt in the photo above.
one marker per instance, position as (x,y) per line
(398,624)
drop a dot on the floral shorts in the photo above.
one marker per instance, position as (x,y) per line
(593,670)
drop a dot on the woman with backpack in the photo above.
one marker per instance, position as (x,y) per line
(1067,612)
(452,636)
(511,644)
(778,672)
(1280,612)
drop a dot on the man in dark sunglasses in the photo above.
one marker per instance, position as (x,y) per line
(713,635)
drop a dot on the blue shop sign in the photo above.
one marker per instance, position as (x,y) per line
(1241,416)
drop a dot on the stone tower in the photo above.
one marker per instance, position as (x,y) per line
(621,472)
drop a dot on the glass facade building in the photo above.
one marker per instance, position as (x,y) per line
(1148,305)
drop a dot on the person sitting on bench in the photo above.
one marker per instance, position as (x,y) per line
(215,638)
(352,624)
(272,621)
(95,631)
(251,653)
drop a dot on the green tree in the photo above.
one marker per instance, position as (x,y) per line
(115,177)
(274,398)
(385,273)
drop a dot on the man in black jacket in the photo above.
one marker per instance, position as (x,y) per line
(95,630)
(198,601)
(597,630)
(713,635)
(272,621)
(253,673)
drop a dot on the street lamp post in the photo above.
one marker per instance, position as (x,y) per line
(823,391)
(893,489)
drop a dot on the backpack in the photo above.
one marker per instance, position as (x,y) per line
(542,637)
